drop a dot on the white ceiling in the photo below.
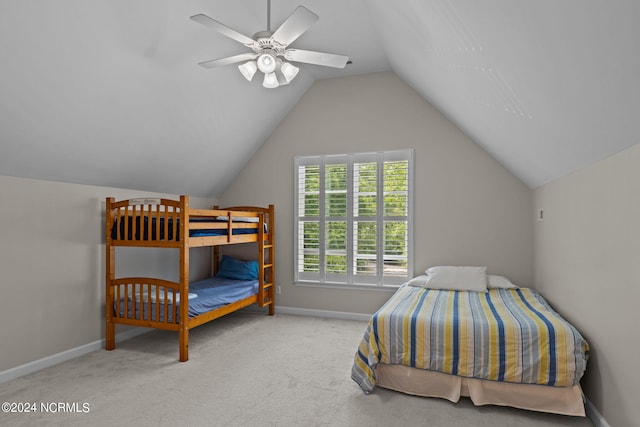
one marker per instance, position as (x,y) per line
(107,92)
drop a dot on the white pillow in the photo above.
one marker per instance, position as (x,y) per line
(499,282)
(419,281)
(453,278)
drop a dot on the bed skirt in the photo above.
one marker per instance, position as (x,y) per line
(420,382)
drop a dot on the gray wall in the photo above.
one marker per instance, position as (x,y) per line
(52,258)
(469,210)
(587,258)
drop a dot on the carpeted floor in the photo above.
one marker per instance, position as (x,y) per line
(245,369)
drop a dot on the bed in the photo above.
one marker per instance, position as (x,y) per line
(180,306)
(499,345)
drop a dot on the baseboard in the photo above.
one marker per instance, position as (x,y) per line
(596,418)
(323,313)
(313,313)
(64,356)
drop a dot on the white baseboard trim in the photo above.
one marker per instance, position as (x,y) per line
(323,313)
(592,413)
(296,311)
(66,355)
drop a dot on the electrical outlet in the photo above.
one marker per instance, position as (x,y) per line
(278,290)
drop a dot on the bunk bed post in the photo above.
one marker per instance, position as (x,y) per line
(215,256)
(184,279)
(215,260)
(110,333)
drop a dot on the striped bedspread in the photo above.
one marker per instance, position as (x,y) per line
(510,335)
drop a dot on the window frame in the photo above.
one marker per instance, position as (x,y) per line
(351,280)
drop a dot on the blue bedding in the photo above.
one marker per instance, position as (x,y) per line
(144,228)
(204,296)
(218,291)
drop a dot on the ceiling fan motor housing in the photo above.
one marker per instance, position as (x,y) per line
(265,41)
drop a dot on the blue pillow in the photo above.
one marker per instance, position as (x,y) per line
(233,268)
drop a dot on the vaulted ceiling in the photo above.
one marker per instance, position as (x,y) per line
(107,92)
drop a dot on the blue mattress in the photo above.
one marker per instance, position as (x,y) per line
(204,296)
(144,228)
(218,291)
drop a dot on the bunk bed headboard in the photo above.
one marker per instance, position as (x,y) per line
(145,221)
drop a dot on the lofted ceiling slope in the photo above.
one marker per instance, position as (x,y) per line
(546,87)
(107,92)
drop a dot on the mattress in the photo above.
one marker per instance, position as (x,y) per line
(142,228)
(215,292)
(204,296)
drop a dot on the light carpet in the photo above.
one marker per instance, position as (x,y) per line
(245,369)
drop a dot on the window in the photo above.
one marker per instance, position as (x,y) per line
(353,222)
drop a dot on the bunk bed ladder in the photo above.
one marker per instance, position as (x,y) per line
(266,294)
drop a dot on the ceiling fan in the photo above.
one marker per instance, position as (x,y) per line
(271,51)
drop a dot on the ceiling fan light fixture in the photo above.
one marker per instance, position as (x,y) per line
(267,63)
(282,80)
(290,71)
(270,80)
(248,69)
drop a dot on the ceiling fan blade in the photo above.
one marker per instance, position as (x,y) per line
(317,58)
(297,23)
(224,30)
(228,60)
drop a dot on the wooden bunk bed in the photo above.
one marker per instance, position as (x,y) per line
(164,223)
